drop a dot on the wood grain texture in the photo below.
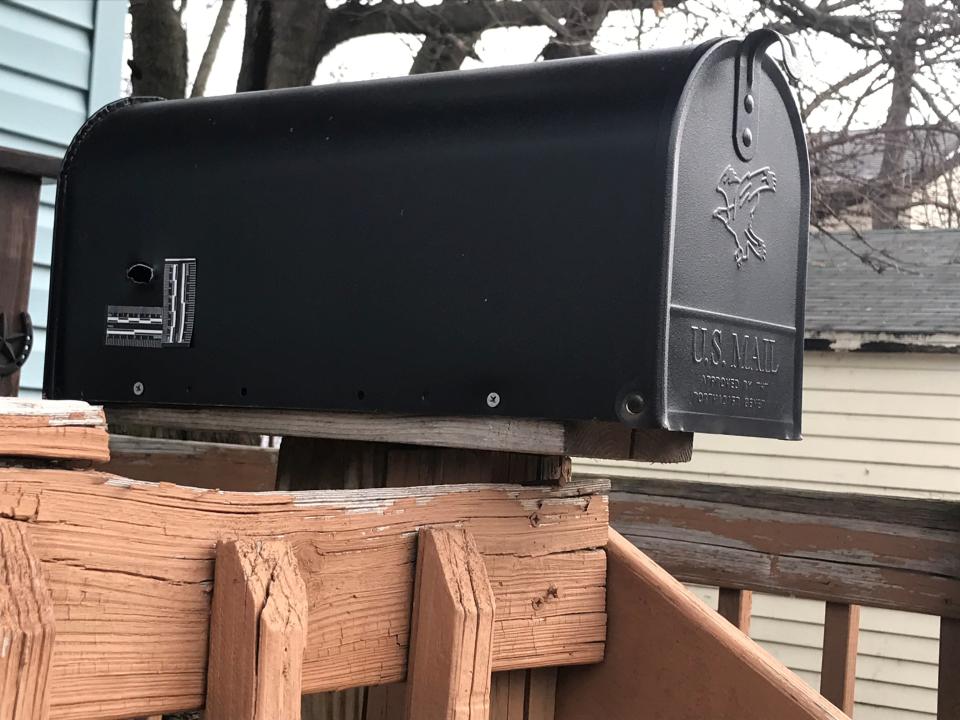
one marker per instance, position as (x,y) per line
(257,632)
(451,645)
(130,564)
(544,437)
(508,695)
(240,468)
(670,656)
(307,463)
(895,553)
(52,429)
(838,670)
(541,694)
(19,202)
(735,606)
(26,628)
(948,687)
(30,164)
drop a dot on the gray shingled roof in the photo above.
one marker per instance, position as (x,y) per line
(921,297)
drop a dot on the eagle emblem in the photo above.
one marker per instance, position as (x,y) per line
(741,196)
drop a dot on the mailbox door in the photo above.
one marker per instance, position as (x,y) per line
(737,252)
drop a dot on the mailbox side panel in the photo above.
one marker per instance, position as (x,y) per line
(410,245)
(738,242)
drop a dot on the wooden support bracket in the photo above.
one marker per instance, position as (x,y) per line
(257,632)
(26,628)
(668,655)
(451,643)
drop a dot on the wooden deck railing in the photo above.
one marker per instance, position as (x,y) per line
(847,550)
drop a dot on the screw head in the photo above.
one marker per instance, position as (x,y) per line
(747,137)
(634,404)
(493,399)
(138,388)
(748,103)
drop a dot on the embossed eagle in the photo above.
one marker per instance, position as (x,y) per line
(741,196)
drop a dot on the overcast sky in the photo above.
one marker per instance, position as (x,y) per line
(391,55)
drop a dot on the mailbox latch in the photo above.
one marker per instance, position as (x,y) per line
(746,111)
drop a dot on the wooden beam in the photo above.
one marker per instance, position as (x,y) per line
(451,644)
(132,563)
(52,429)
(257,632)
(26,628)
(838,669)
(948,689)
(29,164)
(670,656)
(545,437)
(735,606)
(19,202)
(240,468)
(896,553)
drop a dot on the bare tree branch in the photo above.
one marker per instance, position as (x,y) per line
(213,45)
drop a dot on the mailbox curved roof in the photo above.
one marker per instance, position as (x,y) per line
(915,301)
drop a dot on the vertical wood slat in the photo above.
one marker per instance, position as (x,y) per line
(257,632)
(451,638)
(736,606)
(948,686)
(19,203)
(26,628)
(841,632)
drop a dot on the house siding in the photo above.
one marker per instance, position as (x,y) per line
(878,423)
(60,60)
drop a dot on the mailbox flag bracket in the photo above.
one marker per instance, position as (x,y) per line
(746,109)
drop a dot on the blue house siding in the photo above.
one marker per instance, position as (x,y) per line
(60,60)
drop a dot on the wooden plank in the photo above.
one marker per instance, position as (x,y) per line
(52,429)
(735,606)
(838,673)
(451,645)
(257,632)
(508,695)
(670,656)
(28,163)
(544,437)
(894,553)
(26,628)
(242,468)
(948,689)
(130,564)
(19,203)
(384,702)
(306,463)
(541,693)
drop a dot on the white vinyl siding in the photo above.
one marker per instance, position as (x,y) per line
(879,423)
(60,60)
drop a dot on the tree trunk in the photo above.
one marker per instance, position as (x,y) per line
(281,43)
(893,195)
(159,64)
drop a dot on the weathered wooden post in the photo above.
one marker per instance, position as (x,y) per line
(20,176)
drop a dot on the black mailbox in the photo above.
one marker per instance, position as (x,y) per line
(613,238)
